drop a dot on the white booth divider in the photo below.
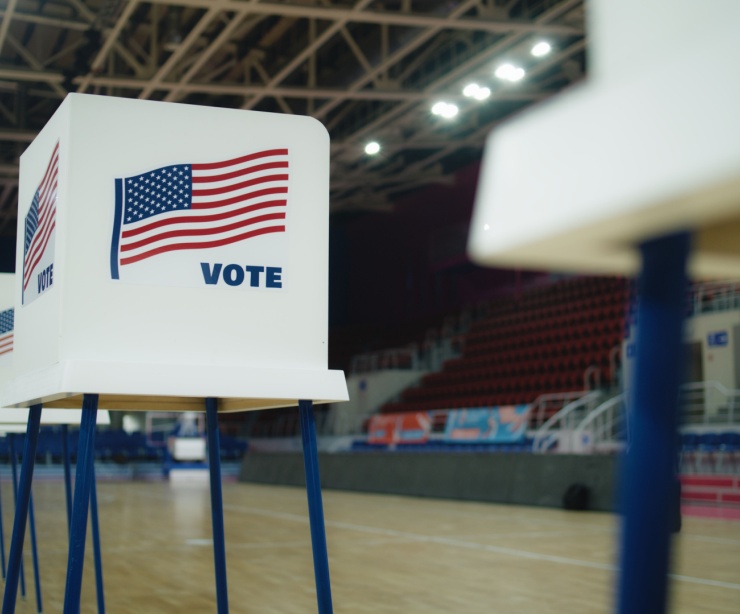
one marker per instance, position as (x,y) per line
(628,173)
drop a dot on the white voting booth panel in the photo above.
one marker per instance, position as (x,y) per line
(575,183)
(15,419)
(170,253)
(7,336)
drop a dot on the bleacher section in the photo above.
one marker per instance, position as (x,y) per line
(541,343)
(110,445)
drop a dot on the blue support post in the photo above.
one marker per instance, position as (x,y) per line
(14,467)
(98,557)
(217,508)
(315,507)
(648,474)
(2,541)
(21,509)
(35,556)
(67,474)
(83,479)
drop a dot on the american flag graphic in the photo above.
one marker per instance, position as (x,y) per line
(6,331)
(199,206)
(41,219)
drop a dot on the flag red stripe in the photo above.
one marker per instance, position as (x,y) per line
(239,173)
(45,192)
(219,243)
(8,351)
(241,198)
(41,254)
(38,245)
(239,186)
(249,158)
(36,250)
(51,160)
(199,232)
(5,344)
(45,202)
(194,219)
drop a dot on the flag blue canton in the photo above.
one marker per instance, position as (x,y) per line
(166,189)
(6,320)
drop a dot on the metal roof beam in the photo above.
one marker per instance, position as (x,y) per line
(125,54)
(182,48)
(312,48)
(466,68)
(17,136)
(45,20)
(395,58)
(110,40)
(237,89)
(7,18)
(205,55)
(450,146)
(33,62)
(394,18)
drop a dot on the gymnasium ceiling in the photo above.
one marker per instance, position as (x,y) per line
(368,69)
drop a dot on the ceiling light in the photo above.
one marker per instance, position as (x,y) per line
(447,110)
(438,108)
(483,93)
(471,90)
(509,72)
(372,148)
(541,49)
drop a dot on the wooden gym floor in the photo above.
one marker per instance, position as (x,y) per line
(388,554)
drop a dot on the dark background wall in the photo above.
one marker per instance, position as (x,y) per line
(394,275)
(409,263)
(521,479)
(7,254)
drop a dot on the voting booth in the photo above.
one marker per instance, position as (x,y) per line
(174,257)
(626,174)
(173,251)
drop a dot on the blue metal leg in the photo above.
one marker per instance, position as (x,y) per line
(96,544)
(217,508)
(21,510)
(315,507)
(35,555)
(67,474)
(648,478)
(14,467)
(83,478)
(2,542)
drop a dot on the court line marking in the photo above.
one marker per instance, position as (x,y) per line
(713,540)
(537,556)
(459,543)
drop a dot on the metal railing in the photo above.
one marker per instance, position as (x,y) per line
(397,358)
(549,404)
(710,296)
(604,429)
(561,426)
(709,403)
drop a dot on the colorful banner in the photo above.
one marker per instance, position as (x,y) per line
(505,424)
(410,427)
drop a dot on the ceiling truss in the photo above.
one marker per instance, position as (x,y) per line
(368,69)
